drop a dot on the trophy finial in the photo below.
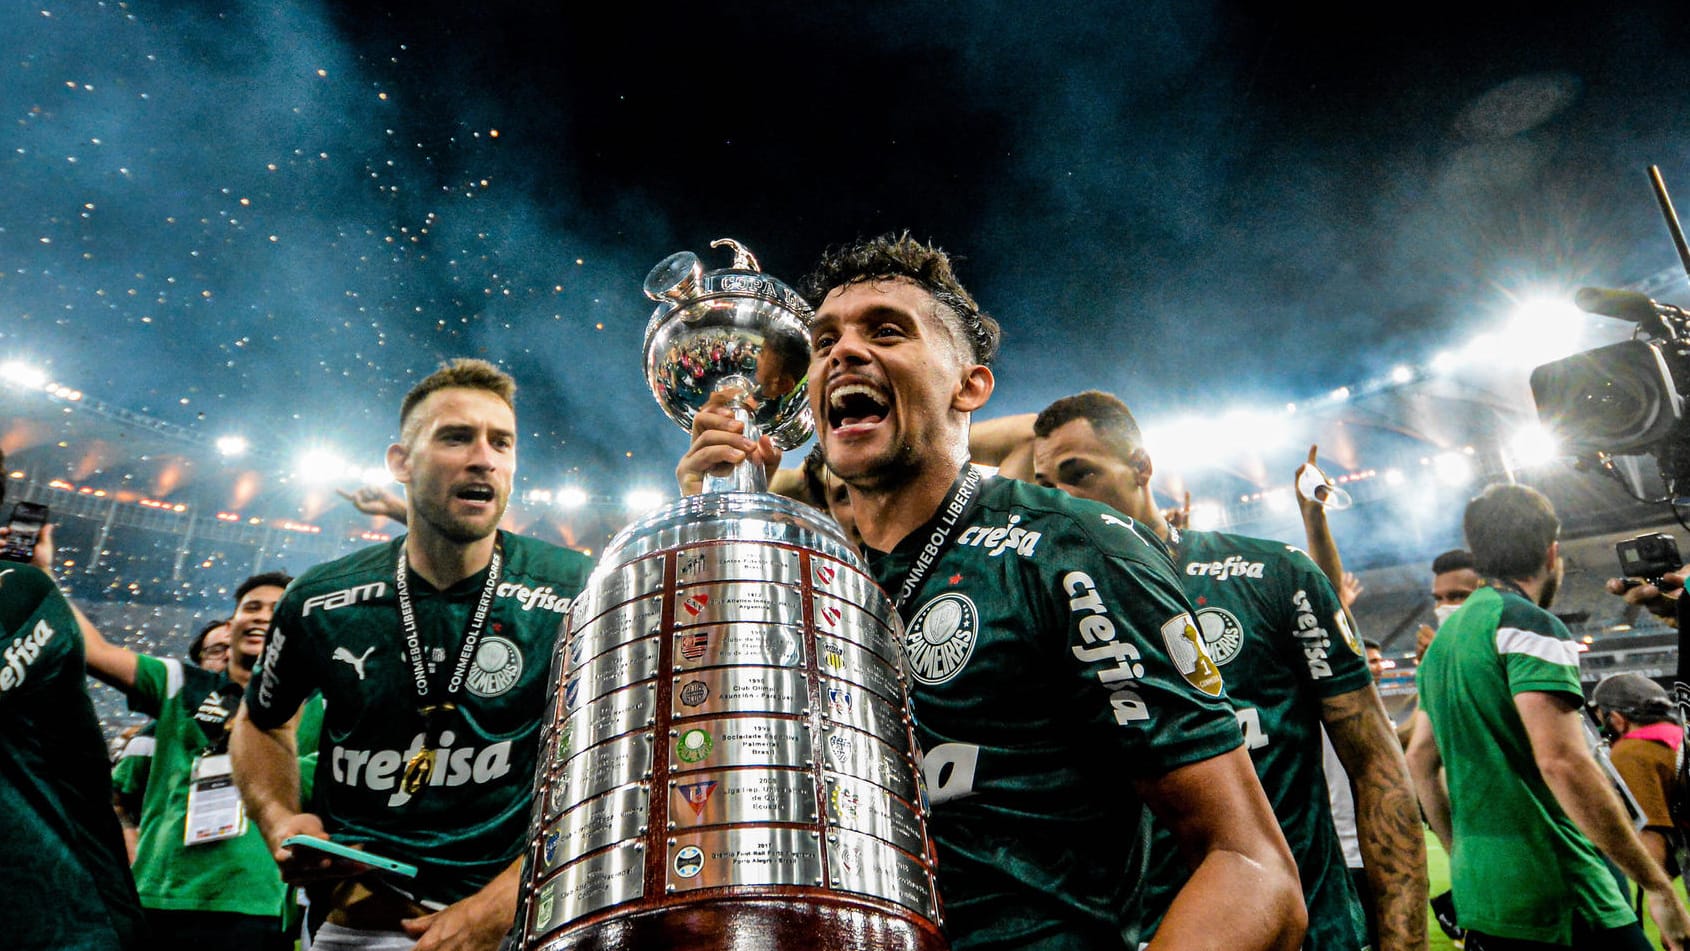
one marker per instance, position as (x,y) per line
(744,260)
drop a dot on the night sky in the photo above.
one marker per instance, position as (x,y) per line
(273,218)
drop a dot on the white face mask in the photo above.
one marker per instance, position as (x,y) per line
(1443,611)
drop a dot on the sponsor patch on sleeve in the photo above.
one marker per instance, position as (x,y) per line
(1350,638)
(1190,656)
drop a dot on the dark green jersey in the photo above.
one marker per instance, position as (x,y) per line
(337,629)
(1054,661)
(1520,868)
(1274,626)
(192,707)
(64,876)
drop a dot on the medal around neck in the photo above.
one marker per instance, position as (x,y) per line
(735,331)
(728,760)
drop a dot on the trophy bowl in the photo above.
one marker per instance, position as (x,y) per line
(735,331)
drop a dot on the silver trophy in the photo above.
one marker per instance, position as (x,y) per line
(728,760)
(738,332)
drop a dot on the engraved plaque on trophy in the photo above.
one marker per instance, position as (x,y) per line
(728,760)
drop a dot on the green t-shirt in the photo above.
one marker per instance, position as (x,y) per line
(337,630)
(1520,866)
(191,707)
(1274,626)
(1054,660)
(64,874)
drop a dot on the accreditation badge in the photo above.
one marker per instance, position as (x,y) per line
(215,811)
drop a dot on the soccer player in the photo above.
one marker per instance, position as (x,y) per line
(432,653)
(64,874)
(1052,651)
(1273,624)
(1527,814)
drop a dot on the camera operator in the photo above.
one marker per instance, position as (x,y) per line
(1638,719)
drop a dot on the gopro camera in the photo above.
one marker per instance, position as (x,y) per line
(25,525)
(1648,556)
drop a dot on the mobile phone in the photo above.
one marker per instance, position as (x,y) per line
(25,525)
(339,851)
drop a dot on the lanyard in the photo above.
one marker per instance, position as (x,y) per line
(958,500)
(421,766)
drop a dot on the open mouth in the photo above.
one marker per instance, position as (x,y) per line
(475,493)
(855,404)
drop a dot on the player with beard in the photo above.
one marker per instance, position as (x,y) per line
(202,871)
(432,653)
(1526,814)
(1060,686)
(1274,625)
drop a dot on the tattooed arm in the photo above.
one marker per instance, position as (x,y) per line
(1393,848)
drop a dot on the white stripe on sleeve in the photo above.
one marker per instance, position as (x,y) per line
(138,746)
(1512,640)
(172,676)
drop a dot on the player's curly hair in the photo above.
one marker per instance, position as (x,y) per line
(925,265)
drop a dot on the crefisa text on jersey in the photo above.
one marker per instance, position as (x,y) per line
(1316,642)
(1232,567)
(378,770)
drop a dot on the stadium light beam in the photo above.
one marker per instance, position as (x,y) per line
(231,447)
(1532,445)
(1452,468)
(571,497)
(317,466)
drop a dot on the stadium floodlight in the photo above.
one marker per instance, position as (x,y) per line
(1394,477)
(571,497)
(1207,516)
(317,466)
(1453,468)
(231,447)
(26,375)
(642,500)
(538,496)
(1446,361)
(1340,394)
(1540,330)
(1532,445)
(1402,374)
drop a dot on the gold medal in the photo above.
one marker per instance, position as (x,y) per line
(418,770)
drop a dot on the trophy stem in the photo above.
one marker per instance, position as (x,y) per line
(748,476)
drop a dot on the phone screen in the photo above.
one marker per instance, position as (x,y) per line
(25,527)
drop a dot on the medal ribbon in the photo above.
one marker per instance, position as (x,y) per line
(958,500)
(421,766)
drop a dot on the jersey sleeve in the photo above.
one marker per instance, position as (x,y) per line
(134,765)
(1537,656)
(155,682)
(1142,671)
(286,673)
(1333,659)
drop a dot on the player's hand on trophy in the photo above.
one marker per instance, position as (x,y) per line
(719,444)
(1659,599)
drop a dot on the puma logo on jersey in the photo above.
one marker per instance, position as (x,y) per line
(382,770)
(344,597)
(342,654)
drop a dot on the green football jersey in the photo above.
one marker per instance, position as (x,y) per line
(1054,660)
(191,707)
(1274,626)
(337,630)
(1520,866)
(64,875)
